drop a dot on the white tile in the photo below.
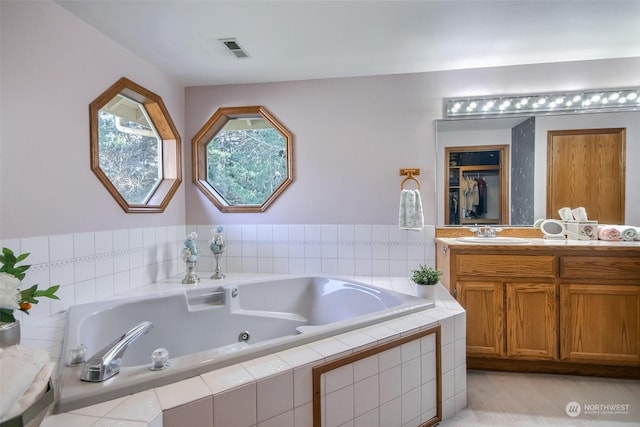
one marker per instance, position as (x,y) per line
(410,405)
(84,269)
(428,396)
(389,358)
(448,384)
(83,244)
(390,384)
(362,233)
(104,287)
(303,415)
(448,408)
(366,396)
(460,379)
(329,347)
(312,233)
(460,321)
(100,409)
(391,413)
(109,422)
(411,375)
(447,329)
(329,233)
(282,420)
(136,239)
(60,247)
(120,240)
(143,406)
(355,339)
(428,367)
(460,349)
(280,232)
(428,343)
(85,291)
(236,407)
(37,248)
(364,368)
(299,356)
(339,407)
(275,395)
(410,350)
(103,242)
(265,366)
(226,378)
(302,385)
(346,233)
(296,233)
(370,419)
(104,265)
(148,236)
(68,420)
(338,378)
(181,392)
(380,233)
(448,357)
(249,232)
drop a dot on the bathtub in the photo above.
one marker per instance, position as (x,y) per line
(210,327)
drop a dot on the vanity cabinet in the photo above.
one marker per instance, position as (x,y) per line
(554,307)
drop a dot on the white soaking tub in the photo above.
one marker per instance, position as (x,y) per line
(210,327)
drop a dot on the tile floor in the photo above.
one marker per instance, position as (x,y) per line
(500,399)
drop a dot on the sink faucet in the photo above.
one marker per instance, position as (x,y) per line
(106,363)
(487,231)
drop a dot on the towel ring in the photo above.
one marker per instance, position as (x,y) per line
(409,173)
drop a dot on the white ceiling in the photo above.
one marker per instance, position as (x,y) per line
(310,39)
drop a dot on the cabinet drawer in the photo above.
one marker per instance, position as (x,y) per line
(592,267)
(505,265)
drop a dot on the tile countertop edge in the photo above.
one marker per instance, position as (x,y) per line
(446,307)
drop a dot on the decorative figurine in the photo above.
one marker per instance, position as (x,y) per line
(217,247)
(190,257)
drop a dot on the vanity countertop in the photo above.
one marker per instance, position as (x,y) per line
(547,243)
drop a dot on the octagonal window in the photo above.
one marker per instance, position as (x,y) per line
(243,159)
(135,149)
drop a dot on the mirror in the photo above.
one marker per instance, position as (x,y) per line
(135,147)
(243,159)
(528,163)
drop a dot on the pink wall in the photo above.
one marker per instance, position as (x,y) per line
(354,134)
(53,65)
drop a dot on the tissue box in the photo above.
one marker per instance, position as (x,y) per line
(581,230)
(34,414)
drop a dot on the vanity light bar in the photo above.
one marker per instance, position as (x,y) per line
(566,102)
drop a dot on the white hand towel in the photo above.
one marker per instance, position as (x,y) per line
(18,369)
(626,232)
(410,215)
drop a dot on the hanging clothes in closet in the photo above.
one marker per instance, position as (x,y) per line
(474,196)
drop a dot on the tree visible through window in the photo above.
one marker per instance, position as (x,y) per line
(129,156)
(247,165)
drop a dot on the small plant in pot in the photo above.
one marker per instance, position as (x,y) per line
(426,277)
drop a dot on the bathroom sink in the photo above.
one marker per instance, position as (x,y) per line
(492,240)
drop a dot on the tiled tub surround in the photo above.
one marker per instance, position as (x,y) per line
(276,390)
(202,327)
(102,265)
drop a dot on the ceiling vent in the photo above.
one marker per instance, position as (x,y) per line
(234,47)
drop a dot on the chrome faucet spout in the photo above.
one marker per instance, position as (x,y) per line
(106,363)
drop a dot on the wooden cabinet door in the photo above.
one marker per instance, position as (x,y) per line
(484,302)
(531,321)
(600,323)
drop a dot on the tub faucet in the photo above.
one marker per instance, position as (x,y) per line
(106,363)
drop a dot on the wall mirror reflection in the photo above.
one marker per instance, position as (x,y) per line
(528,184)
(135,147)
(243,159)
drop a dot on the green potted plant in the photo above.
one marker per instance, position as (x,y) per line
(426,278)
